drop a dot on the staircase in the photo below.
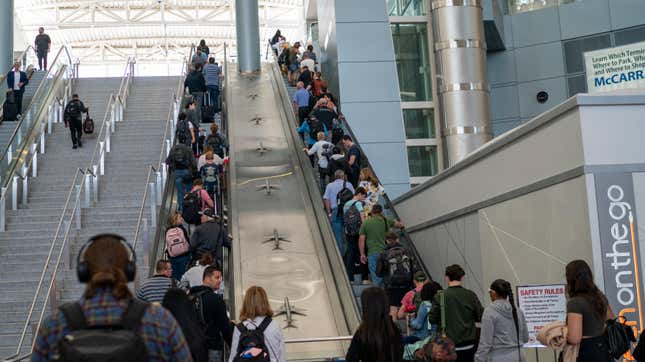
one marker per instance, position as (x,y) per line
(25,244)
(136,145)
(7,128)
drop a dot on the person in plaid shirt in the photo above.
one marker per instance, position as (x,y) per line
(104,301)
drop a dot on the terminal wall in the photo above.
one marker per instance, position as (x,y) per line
(357,56)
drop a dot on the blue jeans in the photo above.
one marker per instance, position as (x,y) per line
(337,226)
(213,91)
(179,265)
(182,185)
(371,264)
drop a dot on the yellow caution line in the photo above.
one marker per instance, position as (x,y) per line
(265,178)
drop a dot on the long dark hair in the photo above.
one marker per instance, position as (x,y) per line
(177,303)
(503,289)
(377,333)
(580,284)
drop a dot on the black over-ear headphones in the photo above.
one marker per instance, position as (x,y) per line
(83,270)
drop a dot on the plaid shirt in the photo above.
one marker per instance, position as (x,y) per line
(159,329)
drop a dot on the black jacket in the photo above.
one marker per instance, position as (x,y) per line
(195,82)
(218,326)
(208,238)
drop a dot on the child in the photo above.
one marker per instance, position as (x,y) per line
(210,174)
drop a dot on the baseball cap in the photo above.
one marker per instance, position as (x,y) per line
(420,276)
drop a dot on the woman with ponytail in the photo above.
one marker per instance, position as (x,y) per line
(503,327)
(106,263)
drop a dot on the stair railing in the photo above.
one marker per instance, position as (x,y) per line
(71,214)
(159,186)
(20,158)
(113,115)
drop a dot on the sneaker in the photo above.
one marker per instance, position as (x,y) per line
(366,282)
(80,144)
(74,147)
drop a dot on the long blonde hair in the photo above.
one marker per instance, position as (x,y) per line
(256,304)
(368,175)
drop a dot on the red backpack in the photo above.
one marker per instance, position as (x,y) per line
(176,243)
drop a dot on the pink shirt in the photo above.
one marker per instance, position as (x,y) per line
(206,199)
(408,298)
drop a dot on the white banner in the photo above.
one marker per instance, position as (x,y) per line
(616,68)
(541,304)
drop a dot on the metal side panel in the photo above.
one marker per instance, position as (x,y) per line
(298,266)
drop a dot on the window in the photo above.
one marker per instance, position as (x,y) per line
(629,36)
(574,51)
(419,123)
(522,6)
(406,7)
(577,84)
(422,160)
(412,61)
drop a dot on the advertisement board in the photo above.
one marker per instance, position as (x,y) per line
(616,68)
(541,304)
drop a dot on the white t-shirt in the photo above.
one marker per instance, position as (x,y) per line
(16,80)
(310,63)
(317,148)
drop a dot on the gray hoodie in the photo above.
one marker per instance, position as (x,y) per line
(498,341)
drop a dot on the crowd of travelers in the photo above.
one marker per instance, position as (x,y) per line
(179,314)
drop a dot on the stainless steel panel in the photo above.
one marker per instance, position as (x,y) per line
(301,268)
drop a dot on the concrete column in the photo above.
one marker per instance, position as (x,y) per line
(463,89)
(248,35)
(6,35)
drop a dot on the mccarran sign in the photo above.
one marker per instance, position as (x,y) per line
(619,246)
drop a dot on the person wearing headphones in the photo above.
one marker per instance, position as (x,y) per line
(108,321)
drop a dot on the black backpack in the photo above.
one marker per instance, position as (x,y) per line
(180,158)
(399,266)
(216,142)
(73,111)
(183,128)
(352,220)
(198,304)
(619,337)
(116,342)
(315,126)
(343,196)
(253,338)
(191,207)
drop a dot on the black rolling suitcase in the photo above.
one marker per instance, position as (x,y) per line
(10,108)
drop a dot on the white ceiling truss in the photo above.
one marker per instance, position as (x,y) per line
(151,30)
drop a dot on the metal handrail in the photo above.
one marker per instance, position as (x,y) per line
(45,267)
(137,229)
(115,113)
(37,95)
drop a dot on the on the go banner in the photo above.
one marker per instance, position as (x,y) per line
(616,68)
(619,246)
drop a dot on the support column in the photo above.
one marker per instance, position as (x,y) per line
(6,35)
(462,82)
(248,35)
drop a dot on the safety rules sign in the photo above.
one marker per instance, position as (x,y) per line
(541,304)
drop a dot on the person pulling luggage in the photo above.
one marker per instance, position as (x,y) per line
(74,119)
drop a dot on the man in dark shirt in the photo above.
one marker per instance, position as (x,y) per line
(182,161)
(462,309)
(74,119)
(209,237)
(306,77)
(218,326)
(353,157)
(325,114)
(196,84)
(43,45)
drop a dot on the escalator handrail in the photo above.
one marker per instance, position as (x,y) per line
(41,88)
(405,238)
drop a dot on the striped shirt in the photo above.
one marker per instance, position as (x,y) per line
(154,288)
(159,330)
(211,74)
